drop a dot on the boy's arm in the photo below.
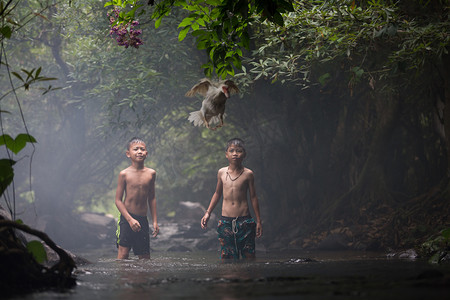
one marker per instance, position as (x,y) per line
(152,206)
(121,183)
(255,204)
(214,200)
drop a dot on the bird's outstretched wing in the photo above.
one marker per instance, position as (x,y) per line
(201,88)
(232,87)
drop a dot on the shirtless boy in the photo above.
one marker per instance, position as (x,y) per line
(236,228)
(137,182)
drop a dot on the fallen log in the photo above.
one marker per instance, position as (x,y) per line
(21,273)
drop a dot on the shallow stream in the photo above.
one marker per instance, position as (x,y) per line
(294,275)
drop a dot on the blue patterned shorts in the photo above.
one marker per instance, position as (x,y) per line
(237,237)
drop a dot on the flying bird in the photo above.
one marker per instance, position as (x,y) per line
(213,105)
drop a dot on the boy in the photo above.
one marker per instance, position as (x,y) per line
(236,228)
(138,184)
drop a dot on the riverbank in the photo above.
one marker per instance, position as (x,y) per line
(182,233)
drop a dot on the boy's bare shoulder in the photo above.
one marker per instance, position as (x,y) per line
(222,170)
(248,172)
(151,171)
(124,171)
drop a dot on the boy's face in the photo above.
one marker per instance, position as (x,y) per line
(137,152)
(235,153)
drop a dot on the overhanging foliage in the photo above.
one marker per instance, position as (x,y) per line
(220,27)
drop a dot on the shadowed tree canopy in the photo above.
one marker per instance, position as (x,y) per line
(220,27)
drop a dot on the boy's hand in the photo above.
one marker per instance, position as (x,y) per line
(258,230)
(155,230)
(135,225)
(204,221)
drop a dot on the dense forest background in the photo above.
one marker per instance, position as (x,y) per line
(342,108)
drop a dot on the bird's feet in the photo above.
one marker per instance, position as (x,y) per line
(218,126)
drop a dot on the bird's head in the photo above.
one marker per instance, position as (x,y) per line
(225,91)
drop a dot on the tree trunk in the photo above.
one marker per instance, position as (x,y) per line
(370,190)
(446,74)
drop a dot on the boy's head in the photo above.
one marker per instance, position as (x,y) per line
(236,142)
(136,150)
(134,140)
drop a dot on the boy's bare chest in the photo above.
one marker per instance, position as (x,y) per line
(138,182)
(234,184)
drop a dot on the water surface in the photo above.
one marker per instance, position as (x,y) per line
(294,275)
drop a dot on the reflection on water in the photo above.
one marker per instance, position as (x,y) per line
(194,275)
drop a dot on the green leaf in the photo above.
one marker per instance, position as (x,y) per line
(285,6)
(237,62)
(358,71)
(6,173)
(183,33)
(195,26)
(200,34)
(212,53)
(6,31)
(186,22)
(29,73)
(324,78)
(446,233)
(278,19)
(201,45)
(18,76)
(37,250)
(26,138)
(15,145)
(6,139)
(213,2)
(245,40)
(38,71)
(47,78)
(158,22)
(131,14)
(6,167)
(201,22)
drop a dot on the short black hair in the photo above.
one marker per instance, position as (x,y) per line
(134,140)
(237,142)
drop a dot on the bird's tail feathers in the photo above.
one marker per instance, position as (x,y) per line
(196,118)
